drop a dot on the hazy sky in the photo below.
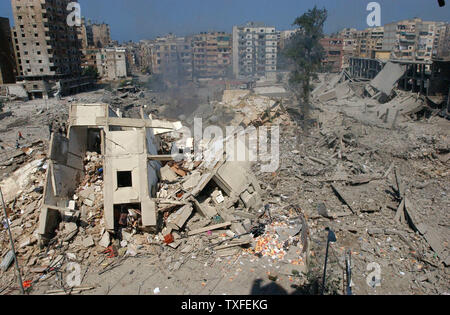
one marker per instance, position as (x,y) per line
(145,19)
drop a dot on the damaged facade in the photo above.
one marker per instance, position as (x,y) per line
(47,49)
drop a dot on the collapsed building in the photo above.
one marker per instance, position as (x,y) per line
(134,179)
(130,171)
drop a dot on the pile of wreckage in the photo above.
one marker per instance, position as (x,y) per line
(383,104)
(106,188)
(349,109)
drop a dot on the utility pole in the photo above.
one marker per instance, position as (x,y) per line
(19,276)
(331,238)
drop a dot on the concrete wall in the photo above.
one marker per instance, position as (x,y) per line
(64,173)
(127,151)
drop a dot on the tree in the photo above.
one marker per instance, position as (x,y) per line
(304,51)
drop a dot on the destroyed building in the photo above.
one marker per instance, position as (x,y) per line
(130,174)
(131,168)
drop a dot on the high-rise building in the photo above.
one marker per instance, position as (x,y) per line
(442,51)
(211,55)
(89,51)
(412,39)
(255,50)
(7,58)
(112,63)
(132,55)
(48,50)
(368,42)
(145,56)
(334,48)
(101,35)
(348,36)
(172,58)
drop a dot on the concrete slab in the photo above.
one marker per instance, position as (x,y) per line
(387,78)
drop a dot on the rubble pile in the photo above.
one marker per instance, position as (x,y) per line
(373,167)
(249,109)
(22,206)
(209,209)
(381,186)
(195,201)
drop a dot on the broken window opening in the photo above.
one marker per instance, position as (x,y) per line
(124,179)
(128,217)
(94,140)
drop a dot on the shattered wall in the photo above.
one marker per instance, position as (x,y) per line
(126,151)
(130,177)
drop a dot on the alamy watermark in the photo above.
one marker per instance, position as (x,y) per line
(74,16)
(373,279)
(374,17)
(73,278)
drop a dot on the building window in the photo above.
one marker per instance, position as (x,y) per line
(124,179)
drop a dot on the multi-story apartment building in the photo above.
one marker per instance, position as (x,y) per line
(368,42)
(255,48)
(348,36)
(442,51)
(347,33)
(132,55)
(145,56)
(112,63)
(89,59)
(100,34)
(412,39)
(334,52)
(211,55)
(7,58)
(47,48)
(89,51)
(172,57)
(82,32)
